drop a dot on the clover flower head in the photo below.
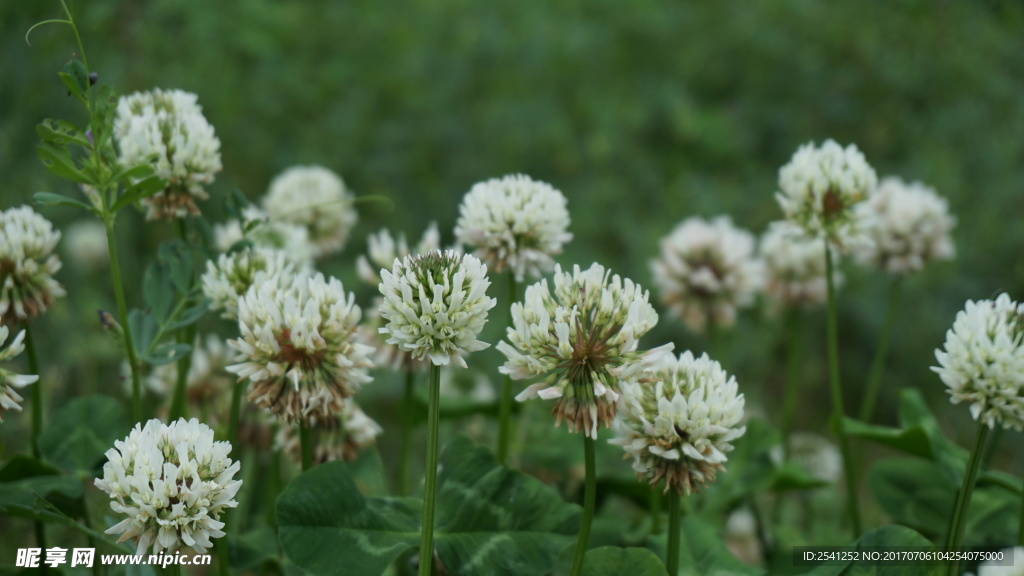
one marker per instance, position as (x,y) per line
(27,265)
(581,340)
(678,421)
(207,383)
(315,198)
(231,276)
(298,347)
(706,271)
(910,226)
(982,362)
(819,188)
(85,242)
(794,266)
(266,232)
(435,305)
(168,124)
(173,482)
(514,222)
(9,398)
(383,249)
(340,438)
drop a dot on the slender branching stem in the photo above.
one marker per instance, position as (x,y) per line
(867,409)
(589,504)
(430,473)
(838,413)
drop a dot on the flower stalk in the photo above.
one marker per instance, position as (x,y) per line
(505,407)
(430,480)
(406,446)
(122,317)
(674,518)
(794,333)
(589,503)
(867,409)
(958,521)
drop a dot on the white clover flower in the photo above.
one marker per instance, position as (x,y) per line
(706,271)
(315,198)
(794,266)
(995,568)
(173,482)
(227,280)
(678,420)
(207,385)
(9,398)
(910,226)
(435,305)
(814,453)
(820,187)
(384,250)
(263,231)
(340,438)
(86,243)
(298,348)
(581,340)
(514,222)
(983,361)
(170,125)
(27,265)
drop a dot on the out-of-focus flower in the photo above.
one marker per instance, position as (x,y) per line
(516,223)
(910,226)
(814,453)
(383,249)
(298,348)
(340,438)
(208,384)
(27,265)
(231,276)
(9,398)
(168,125)
(819,188)
(435,305)
(263,231)
(794,266)
(173,482)
(85,242)
(581,341)
(316,198)
(678,421)
(706,271)
(983,361)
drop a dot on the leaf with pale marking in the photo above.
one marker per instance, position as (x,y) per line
(613,561)
(490,520)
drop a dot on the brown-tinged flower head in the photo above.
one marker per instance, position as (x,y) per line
(794,266)
(265,232)
(167,129)
(298,348)
(229,277)
(340,438)
(707,270)
(435,305)
(581,340)
(27,265)
(678,420)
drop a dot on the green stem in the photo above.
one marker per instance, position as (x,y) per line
(837,397)
(505,408)
(655,512)
(963,498)
(405,449)
(306,444)
(430,482)
(674,518)
(122,317)
(37,390)
(186,335)
(794,348)
(714,340)
(867,409)
(235,419)
(223,562)
(992,447)
(81,52)
(589,503)
(1020,530)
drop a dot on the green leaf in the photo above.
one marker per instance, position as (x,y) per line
(702,552)
(885,536)
(791,476)
(82,431)
(612,561)
(61,133)
(143,328)
(190,315)
(142,189)
(252,548)
(58,160)
(167,353)
(104,107)
(490,520)
(22,466)
(914,493)
(50,199)
(134,173)
(75,77)
(178,258)
(158,291)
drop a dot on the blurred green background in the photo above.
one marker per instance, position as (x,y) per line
(643,113)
